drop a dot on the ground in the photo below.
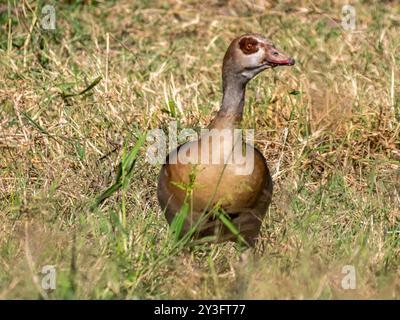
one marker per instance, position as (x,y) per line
(75,100)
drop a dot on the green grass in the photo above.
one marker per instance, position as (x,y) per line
(76,102)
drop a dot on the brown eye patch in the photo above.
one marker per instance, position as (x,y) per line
(248,45)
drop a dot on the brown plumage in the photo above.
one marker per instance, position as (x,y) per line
(244,196)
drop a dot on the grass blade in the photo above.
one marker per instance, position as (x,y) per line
(124,174)
(88,88)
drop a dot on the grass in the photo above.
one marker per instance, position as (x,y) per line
(74,102)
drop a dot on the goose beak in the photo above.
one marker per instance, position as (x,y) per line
(286,62)
(275,57)
(290,62)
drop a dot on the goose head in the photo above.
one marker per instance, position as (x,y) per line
(250,54)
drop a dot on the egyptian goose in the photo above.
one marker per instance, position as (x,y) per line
(243,196)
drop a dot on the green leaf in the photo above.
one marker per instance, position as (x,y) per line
(88,88)
(227,221)
(179,221)
(124,174)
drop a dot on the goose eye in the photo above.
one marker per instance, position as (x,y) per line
(248,45)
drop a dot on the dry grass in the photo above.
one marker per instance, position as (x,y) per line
(329,128)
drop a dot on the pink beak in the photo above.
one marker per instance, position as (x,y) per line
(287,62)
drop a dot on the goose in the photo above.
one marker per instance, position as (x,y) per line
(220,185)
